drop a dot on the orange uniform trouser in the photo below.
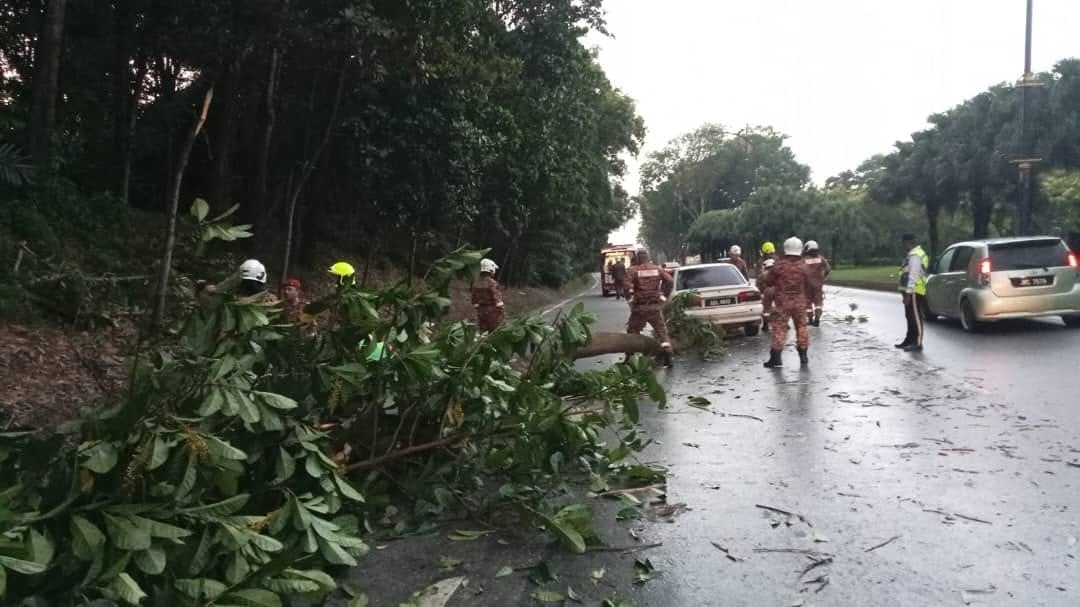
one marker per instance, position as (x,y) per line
(649,314)
(489,318)
(781,314)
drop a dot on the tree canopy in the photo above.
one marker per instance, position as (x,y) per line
(384,128)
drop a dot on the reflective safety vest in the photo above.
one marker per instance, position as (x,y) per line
(920,284)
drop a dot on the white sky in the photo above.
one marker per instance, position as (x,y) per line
(844,78)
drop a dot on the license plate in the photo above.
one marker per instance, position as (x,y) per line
(1033,281)
(719,301)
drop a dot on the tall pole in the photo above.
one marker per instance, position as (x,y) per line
(1026,163)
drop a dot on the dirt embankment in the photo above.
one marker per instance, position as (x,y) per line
(48,372)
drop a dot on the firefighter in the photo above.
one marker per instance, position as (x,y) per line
(736,259)
(768,251)
(294,301)
(644,290)
(618,274)
(791,284)
(819,269)
(487,298)
(766,292)
(253,282)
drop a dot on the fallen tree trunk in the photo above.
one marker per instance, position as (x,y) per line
(621,343)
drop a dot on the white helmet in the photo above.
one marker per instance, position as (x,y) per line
(811,245)
(489,266)
(735,250)
(793,246)
(252,269)
(770,262)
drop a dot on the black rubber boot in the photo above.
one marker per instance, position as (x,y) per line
(817,317)
(774,359)
(667,360)
(803,358)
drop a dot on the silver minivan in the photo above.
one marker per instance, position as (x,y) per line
(996,279)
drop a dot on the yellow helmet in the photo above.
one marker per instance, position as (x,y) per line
(767,248)
(343,270)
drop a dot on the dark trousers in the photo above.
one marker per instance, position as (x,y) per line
(914,313)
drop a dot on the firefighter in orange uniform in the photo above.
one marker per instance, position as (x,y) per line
(644,290)
(791,286)
(487,298)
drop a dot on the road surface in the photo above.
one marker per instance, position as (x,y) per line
(949,477)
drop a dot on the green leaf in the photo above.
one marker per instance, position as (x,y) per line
(313,466)
(200,588)
(160,454)
(567,534)
(215,400)
(360,600)
(200,209)
(335,554)
(3,582)
(347,490)
(277,401)
(504,571)
(220,449)
(126,535)
(284,466)
(164,530)
(265,542)
(464,535)
(127,589)
(187,483)
(201,556)
(21,566)
(255,597)
(321,578)
(151,560)
(40,548)
(101,457)
(237,569)
(293,586)
(218,509)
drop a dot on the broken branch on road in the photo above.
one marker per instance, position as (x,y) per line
(883,544)
(785,513)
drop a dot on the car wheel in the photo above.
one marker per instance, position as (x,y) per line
(752,328)
(928,314)
(968,320)
(1072,321)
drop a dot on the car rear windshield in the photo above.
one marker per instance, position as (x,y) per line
(703,278)
(1029,254)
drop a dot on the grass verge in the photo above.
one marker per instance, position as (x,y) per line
(871,277)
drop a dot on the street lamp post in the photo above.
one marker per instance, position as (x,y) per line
(1026,163)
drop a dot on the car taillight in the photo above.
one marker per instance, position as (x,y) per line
(746,296)
(1072,260)
(985,267)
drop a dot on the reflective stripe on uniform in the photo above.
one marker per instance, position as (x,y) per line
(648,273)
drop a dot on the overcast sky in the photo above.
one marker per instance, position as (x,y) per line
(843,78)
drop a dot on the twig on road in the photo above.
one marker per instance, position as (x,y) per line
(625,549)
(785,512)
(957,515)
(791,551)
(883,544)
(722,414)
(727,552)
(817,563)
(631,490)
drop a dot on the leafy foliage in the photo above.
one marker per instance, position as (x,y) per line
(222,475)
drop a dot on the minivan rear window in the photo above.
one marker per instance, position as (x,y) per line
(1029,254)
(713,276)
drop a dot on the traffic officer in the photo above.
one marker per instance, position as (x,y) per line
(819,269)
(913,287)
(487,298)
(736,259)
(643,289)
(791,284)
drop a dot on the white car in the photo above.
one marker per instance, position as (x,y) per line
(723,295)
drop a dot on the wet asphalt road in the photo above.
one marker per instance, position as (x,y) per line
(967,454)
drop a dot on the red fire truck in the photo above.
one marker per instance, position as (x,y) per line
(610,254)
